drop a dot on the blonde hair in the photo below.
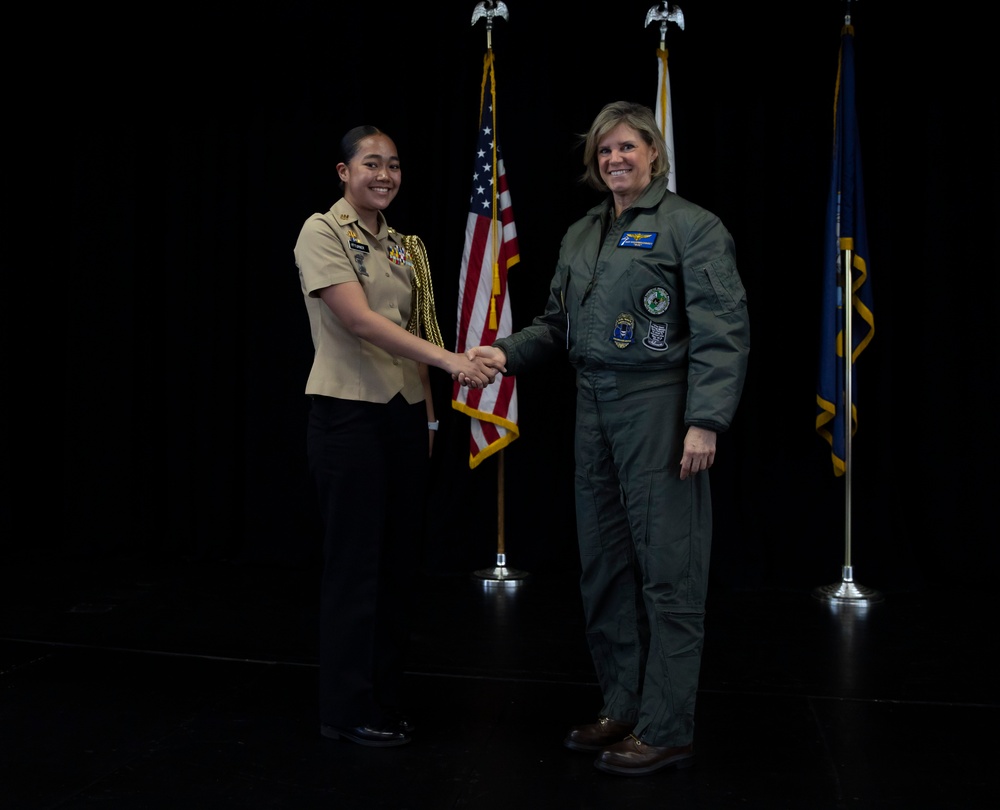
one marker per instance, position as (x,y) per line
(637,116)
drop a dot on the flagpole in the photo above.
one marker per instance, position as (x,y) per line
(663,14)
(500,573)
(847,590)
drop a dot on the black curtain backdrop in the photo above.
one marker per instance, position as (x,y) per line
(203,135)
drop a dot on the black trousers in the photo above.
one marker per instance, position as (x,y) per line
(369,462)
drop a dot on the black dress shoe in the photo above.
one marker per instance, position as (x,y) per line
(394,718)
(367,735)
(596,736)
(404,724)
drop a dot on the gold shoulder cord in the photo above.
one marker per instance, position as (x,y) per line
(423,317)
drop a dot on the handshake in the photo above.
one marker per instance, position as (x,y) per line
(479,366)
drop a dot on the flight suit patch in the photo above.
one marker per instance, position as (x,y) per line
(638,239)
(657,337)
(656,300)
(624,332)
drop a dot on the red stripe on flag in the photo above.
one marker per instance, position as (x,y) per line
(490,251)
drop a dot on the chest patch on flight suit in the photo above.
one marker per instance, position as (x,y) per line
(657,337)
(637,239)
(624,333)
(656,300)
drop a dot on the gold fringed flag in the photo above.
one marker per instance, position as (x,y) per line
(664,113)
(845,231)
(483,302)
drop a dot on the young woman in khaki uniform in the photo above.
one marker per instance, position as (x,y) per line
(370,431)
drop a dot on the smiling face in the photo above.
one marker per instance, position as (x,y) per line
(625,162)
(371,178)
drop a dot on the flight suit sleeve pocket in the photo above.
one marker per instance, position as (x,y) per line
(721,285)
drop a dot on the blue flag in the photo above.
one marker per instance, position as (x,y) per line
(846,235)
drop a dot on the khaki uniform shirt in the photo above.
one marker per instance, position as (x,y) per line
(333,248)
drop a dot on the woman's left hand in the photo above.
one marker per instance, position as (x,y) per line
(699,451)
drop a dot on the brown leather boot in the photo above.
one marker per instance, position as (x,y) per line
(596,736)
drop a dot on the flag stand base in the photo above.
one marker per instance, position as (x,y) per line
(500,573)
(847,591)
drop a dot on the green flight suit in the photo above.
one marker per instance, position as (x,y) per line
(651,313)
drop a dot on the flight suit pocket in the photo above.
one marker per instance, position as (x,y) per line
(721,285)
(657,298)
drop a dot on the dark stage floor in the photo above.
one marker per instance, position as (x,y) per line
(193,685)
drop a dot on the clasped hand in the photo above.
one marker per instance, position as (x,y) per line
(484,363)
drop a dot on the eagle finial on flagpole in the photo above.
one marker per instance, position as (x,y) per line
(489,9)
(662,13)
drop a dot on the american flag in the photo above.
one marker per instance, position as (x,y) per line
(483,303)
